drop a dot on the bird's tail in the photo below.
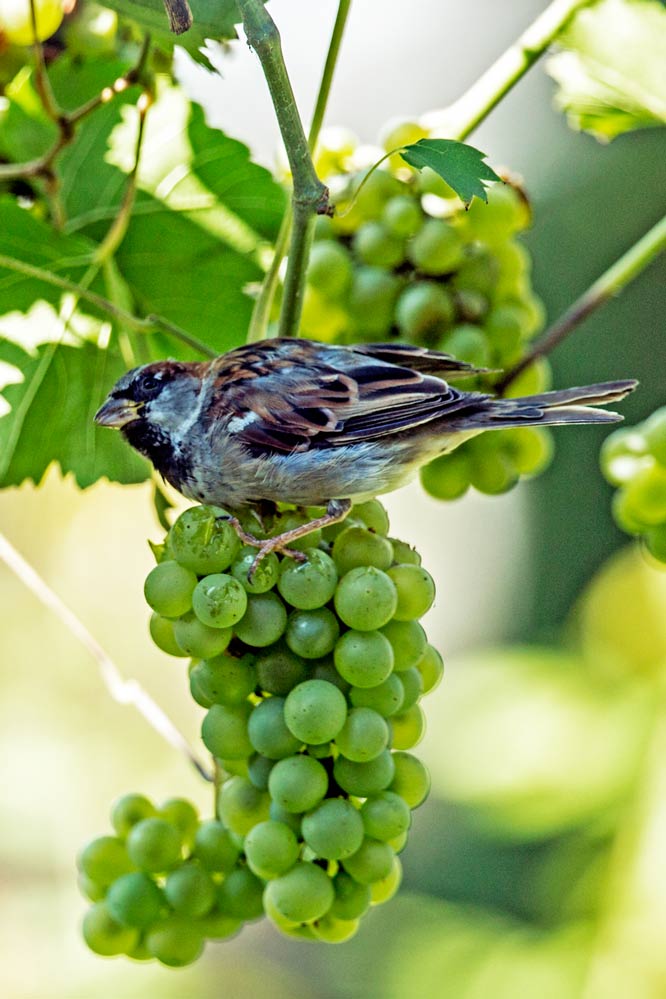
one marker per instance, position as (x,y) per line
(573,405)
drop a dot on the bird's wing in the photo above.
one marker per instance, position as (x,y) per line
(428,362)
(283,396)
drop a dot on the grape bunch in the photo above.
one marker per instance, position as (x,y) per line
(310,674)
(404,260)
(634,459)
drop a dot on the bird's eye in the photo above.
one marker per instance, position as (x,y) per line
(149,382)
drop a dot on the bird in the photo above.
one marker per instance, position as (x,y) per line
(297,421)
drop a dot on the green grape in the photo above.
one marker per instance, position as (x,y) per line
(224,731)
(240,894)
(412,684)
(241,805)
(268,731)
(363,779)
(330,269)
(90,889)
(264,577)
(271,849)
(377,246)
(236,767)
(506,213)
(291,819)
(328,929)
(537,377)
(312,634)
(530,448)
(384,890)
(334,829)
(371,300)
(655,539)
(622,454)
(128,810)
(320,750)
(404,553)
(385,816)
(279,669)
(324,669)
(408,728)
(366,598)
(357,547)
(352,899)
(424,312)
(104,859)
(154,845)
(315,711)
(514,267)
(258,770)
(402,216)
(624,517)
(471,306)
(93,32)
(295,519)
(373,515)
(385,698)
(175,942)
(104,935)
(198,640)
(364,658)
(17,23)
(411,779)
(183,815)
(311,584)
(219,926)
(431,668)
(645,495)
(491,470)
(504,328)
(300,931)
(302,894)
(135,900)
(298,783)
(364,735)
(219,600)
(398,843)
(400,132)
(408,641)
(223,680)
(478,272)
(264,621)
(202,541)
(168,588)
(162,633)
(654,433)
(372,861)
(190,891)
(468,343)
(214,847)
(437,248)
(415,589)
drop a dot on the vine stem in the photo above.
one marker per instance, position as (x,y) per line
(310,195)
(463,116)
(128,692)
(611,282)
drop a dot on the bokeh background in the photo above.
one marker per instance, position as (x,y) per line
(538,865)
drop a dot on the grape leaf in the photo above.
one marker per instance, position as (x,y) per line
(460,165)
(612,70)
(51,416)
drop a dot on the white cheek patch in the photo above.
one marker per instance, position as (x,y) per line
(238,423)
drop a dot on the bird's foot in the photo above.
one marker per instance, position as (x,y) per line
(336,511)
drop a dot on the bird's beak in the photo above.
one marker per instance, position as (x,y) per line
(117,412)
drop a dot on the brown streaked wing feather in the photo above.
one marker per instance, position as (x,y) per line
(429,362)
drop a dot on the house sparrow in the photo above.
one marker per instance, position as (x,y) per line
(308,423)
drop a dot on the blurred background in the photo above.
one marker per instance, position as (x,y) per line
(537,866)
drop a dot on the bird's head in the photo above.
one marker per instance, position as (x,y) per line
(152,405)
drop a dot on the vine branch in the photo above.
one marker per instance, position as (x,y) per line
(121,690)
(310,196)
(611,282)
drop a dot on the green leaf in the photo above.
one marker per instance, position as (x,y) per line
(460,165)
(51,416)
(214,19)
(612,70)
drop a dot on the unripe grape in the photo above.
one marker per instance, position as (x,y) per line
(356,546)
(376,246)
(224,731)
(424,312)
(175,942)
(624,516)
(311,584)
(364,658)
(373,861)
(223,680)
(415,589)
(385,816)
(268,732)
(408,641)
(162,633)
(411,779)
(324,669)
(298,783)
(352,899)
(437,248)
(271,849)
(412,683)
(214,848)
(431,668)
(402,216)
(315,711)
(169,587)
(404,553)
(16,25)
(240,894)
(655,539)
(645,495)
(366,598)
(219,600)
(408,728)
(479,272)
(128,810)
(654,434)
(471,306)
(468,343)
(280,814)
(183,815)
(622,454)
(105,935)
(334,829)
(264,620)
(198,640)
(373,515)
(330,269)
(104,859)
(331,930)
(154,845)
(90,889)
(364,735)
(363,779)
(531,448)
(385,698)
(219,925)
(265,575)
(302,894)
(504,328)
(279,669)
(537,377)
(202,541)
(241,805)
(312,634)
(190,891)
(258,770)
(371,300)
(135,900)
(506,213)
(492,471)
(399,132)
(383,890)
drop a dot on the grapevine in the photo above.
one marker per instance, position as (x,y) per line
(311,676)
